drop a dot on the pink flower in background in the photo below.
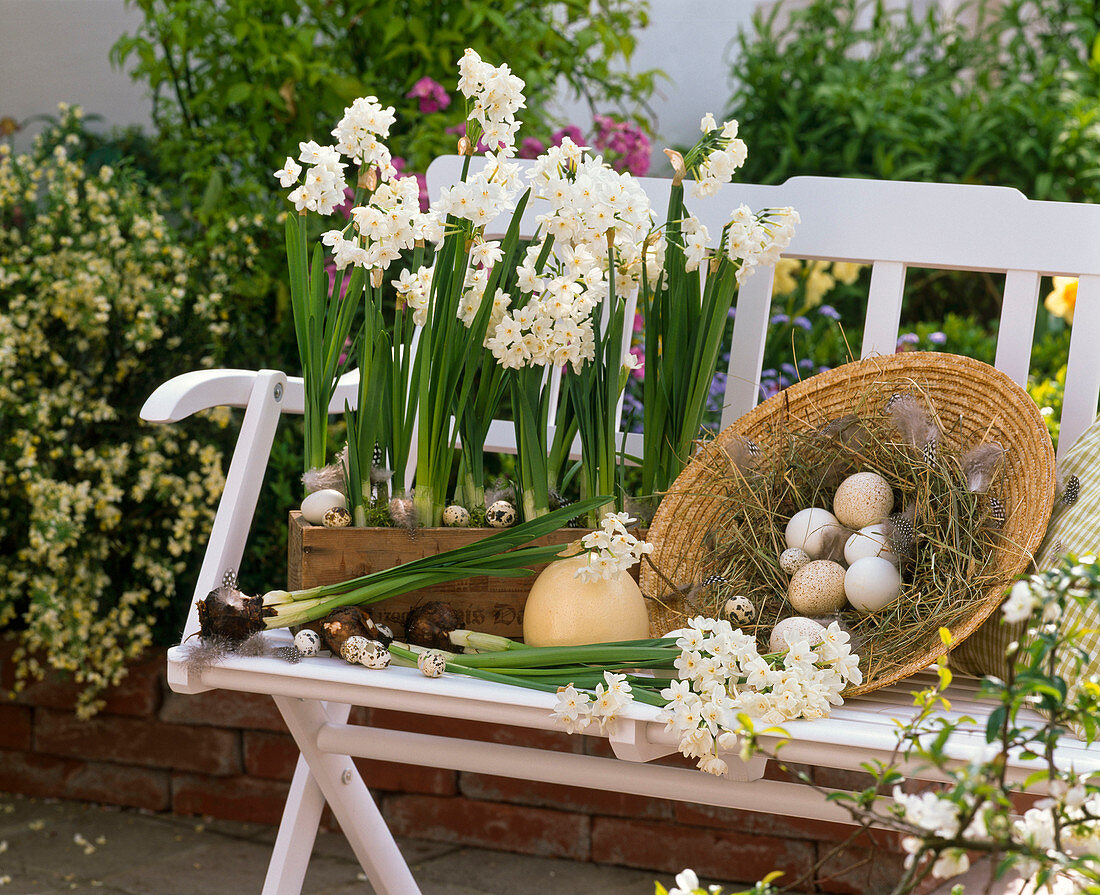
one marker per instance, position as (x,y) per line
(530,147)
(572,132)
(624,143)
(431,94)
(639,362)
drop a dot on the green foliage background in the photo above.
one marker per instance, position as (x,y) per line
(101,516)
(1004,93)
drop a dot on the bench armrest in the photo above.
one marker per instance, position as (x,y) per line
(188,393)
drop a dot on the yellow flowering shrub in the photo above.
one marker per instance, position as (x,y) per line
(100,514)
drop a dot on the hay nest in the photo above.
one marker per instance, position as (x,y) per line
(726,514)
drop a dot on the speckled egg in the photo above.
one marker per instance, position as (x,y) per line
(456,516)
(337,517)
(315,505)
(432,664)
(739,610)
(793,629)
(870,540)
(354,648)
(817,588)
(872,583)
(500,514)
(308,642)
(792,559)
(376,656)
(809,530)
(863,499)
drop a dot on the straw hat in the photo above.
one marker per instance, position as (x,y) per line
(973,402)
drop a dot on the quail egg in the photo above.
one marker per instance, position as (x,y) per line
(432,664)
(739,610)
(354,649)
(500,514)
(456,516)
(376,655)
(336,517)
(308,642)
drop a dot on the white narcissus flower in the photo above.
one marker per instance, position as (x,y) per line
(612,549)
(357,133)
(288,174)
(573,709)
(495,96)
(486,253)
(721,674)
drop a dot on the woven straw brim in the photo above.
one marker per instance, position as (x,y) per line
(974,403)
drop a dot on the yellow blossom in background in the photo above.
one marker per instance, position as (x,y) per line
(787,273)
(102,514)
(846,272)
(819,277)
(1062,299)
(818,283)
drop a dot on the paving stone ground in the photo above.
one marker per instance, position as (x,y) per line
(49,847)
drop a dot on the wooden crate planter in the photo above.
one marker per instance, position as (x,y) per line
(319,555)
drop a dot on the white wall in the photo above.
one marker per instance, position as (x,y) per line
(57,50)
(691,41)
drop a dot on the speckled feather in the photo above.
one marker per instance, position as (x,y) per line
(980,464)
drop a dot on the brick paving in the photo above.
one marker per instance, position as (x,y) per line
(50,846)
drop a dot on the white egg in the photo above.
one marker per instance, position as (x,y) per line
(817,588)
(793,629)
(872,583)
(809,529)
(871,540)
(792,559)
(863,499)
(320,502)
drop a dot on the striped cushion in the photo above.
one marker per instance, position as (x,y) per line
(1074,528)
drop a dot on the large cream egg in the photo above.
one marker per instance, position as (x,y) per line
(817,588)
(872,583)
(793,629)
(871,540)
(320,502)
(809,529)
(563,610)
(863,499)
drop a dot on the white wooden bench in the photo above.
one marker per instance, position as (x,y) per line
(890,225)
